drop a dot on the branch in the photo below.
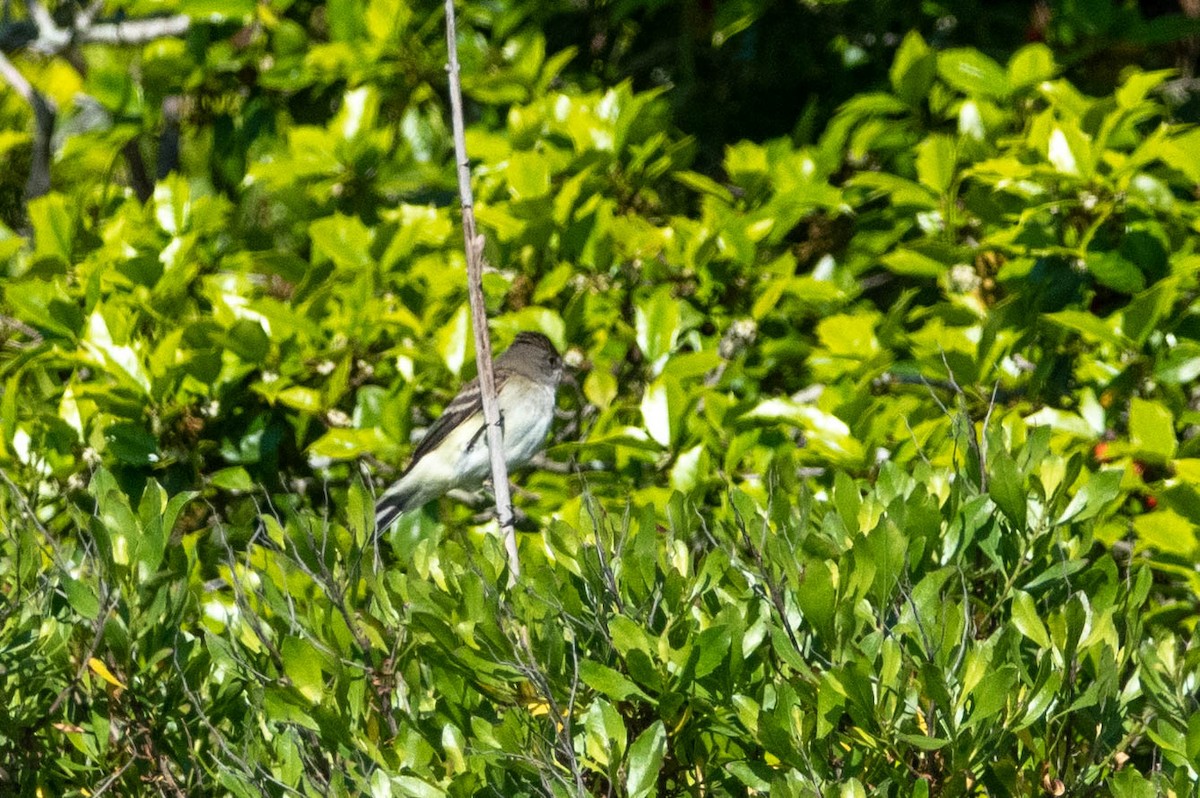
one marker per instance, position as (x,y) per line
(13,76)
(50,39)
(483,344)
(44,113)
(134,31)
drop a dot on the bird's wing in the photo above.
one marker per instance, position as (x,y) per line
(467,403)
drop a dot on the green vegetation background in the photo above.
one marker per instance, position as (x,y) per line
(879,473)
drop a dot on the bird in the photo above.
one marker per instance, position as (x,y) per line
(454,452)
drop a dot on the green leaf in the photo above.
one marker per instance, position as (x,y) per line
(528,175)
(45,305)
(909,263)
(172,196)
(1069,151)
(1193,737)
(1178,152)
(628,636)
(1168,532)
(1139,84)
(348,444)
(131,444)
(754,775)
(703,184)
(972,73)
(1180,365)
(1006,487)
(53,228)
(1144,312)
(1044,696)
(454,743)
(936,160)
(454,339)
(850,335)
(645,760)
(816,596)
(1152,430)
(302,664)
(1101,489)
(921,741)
(347,20)
(1128,783)
(235,479)
(656,411)
(691,467)
(847,500)
(902,192)
(1025,618)
(123,361)
(1090,326)
(158,515)
(248,340)
(1031,65)
(657,320)
(992,694)
(913,69)
(306,400)
(82,597)
(1115,272)
(713,646)
(609,682)
(344,240)
(413,787)
(828,433)
(606,735)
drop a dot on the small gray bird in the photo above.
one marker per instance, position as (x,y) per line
(454,452)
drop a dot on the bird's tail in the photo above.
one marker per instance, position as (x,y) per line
(409,493)
(395,502)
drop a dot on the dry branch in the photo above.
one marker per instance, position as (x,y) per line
(483,345)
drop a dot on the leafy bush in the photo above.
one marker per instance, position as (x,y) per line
(912,634)
(879,471)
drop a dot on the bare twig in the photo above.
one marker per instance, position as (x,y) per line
(107,604)
(135,31)
(111,779)
(87,16)
(483,345)
(255,770)
(606,571)
(52,39)
(972,435)
(56,552)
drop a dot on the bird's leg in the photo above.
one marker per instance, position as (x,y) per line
(519,516)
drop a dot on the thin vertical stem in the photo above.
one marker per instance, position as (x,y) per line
(473,243)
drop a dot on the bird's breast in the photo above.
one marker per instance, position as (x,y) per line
(527,418)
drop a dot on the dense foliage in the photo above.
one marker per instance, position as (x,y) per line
(878,472)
